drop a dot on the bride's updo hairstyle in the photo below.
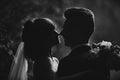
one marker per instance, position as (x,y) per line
(38,36)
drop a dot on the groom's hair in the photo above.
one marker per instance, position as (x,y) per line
(79,24)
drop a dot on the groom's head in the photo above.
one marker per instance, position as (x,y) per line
(78,26)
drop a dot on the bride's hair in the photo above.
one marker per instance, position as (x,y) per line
(38,36)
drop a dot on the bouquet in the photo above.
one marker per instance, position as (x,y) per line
(108,51)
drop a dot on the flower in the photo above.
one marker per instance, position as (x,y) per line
(109,52)
(105,44)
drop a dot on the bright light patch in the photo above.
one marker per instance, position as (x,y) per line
(54,63)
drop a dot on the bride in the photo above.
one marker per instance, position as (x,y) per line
(33,60)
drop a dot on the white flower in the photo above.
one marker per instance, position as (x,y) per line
(95,50)
(106,44)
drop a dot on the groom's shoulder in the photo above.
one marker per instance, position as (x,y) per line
(81,49)
(77,53)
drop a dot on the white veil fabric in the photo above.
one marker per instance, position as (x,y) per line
(22,69)
(19,66)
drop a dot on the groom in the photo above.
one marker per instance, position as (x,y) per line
(80,64)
